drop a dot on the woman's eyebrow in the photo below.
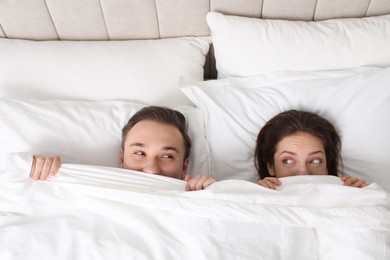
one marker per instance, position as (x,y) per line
(292,153)
(288,152)
(319,151)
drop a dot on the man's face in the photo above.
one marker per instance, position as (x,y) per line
(156,148)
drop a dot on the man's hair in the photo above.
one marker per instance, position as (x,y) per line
(161,115)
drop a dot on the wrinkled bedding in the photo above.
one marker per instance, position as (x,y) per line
(91,212)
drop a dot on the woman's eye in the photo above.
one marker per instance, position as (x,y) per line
(288,161)
(315,161)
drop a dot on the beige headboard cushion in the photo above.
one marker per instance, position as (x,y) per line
(154,19)
(145,19)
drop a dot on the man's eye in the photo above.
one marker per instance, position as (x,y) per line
(288,161)
(169,156)
(139,153)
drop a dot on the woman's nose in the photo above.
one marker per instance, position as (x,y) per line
(303,170)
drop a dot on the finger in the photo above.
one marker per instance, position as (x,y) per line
(199,183)
(192,183)
(34,161)
(270,184)
(274,181)
(39,161)
(262,183)
(189,185)
(55,165)
(266,184)
(187,177)
(46,168)
(348,181)
(208,182)
(359,184)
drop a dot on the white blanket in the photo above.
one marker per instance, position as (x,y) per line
(89,212)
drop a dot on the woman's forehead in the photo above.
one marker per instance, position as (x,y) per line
(300,140)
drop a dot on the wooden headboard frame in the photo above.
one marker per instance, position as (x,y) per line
(155,19)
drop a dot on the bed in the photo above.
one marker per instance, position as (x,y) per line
(73,72)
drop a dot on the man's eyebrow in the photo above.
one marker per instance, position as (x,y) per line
(137,144)
(168,148)
(164,148)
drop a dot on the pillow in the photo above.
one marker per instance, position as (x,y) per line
(86,132)
(248,46)
(144,71)
(357,102)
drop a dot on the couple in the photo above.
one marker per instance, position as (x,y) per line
(155,141)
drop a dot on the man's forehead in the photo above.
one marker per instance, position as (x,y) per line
(149,133)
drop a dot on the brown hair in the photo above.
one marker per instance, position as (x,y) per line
(288,123)
(162,115)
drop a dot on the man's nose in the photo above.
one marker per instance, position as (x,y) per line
(151,166)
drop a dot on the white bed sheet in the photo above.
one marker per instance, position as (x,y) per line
(90,212)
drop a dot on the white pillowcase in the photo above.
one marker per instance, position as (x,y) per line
(86,132)
(356,101)
(248,46)
(144,71)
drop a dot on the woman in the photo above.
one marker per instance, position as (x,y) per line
(298,143)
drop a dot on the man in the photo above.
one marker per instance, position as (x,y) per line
(153,141)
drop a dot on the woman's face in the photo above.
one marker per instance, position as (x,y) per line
(299,154)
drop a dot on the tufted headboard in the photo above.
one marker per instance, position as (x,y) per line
(156,19)
(146,19)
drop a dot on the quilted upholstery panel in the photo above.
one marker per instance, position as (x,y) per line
(153,19)
(102,19)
